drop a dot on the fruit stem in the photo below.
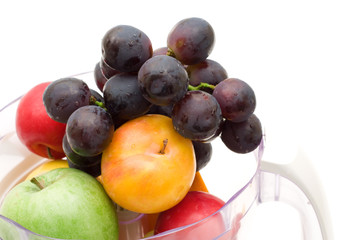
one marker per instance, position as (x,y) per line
(165,142)
(49,153)
(94,101)
(200,86)
(170,53)
(37,183)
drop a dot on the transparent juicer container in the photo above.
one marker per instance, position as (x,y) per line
(243,181)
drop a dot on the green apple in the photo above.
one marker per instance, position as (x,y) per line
(63,203)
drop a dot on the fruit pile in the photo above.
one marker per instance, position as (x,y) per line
(150,129)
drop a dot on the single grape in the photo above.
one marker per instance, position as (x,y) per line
(123,97)
(99,77)
(191,40)
(162,110)
(89,130)
(242,137)
(203,152)
(77,159)
(160,51)
(126,48)
(63,96)
(208,71)
(197,116)
(93,169)
(163,80)
(236,98)
(107,71)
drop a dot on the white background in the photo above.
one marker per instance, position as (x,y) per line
(303,59)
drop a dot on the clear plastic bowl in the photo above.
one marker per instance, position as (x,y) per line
(242,180)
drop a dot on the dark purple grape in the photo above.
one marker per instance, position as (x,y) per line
(191,40)
(236,98)
(97,96)
(242,137)
(77,159)
(107,71)
(63,96)
(162,110)
(197,116)
(93,169)
(89,130)
(160,51)
(163,80)
(218,132)
(123,97)
(126,48)
(208,71)
(203,152)
(99,77)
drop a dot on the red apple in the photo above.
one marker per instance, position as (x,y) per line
(35,129)
(195,206)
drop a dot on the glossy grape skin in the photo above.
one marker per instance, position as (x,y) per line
(90,165)
(93,169)
(126,48)
(99,77)
(191,40)
(123,97)
(208,71)
(63,96)
(236,98)
(89,130)
(203,152)
(107,71)
(218,132)
(162,110)
(197,116)
(242,137)
(76,159)
(163,80)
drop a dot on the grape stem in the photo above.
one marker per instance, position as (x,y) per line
(170,53)
(200,86)
(94,101)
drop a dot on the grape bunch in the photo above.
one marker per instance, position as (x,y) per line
(177,80)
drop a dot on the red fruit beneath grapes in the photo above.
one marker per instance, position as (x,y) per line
(236,98)
(195,206)
(242,137)
(191,40)
(35,129)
